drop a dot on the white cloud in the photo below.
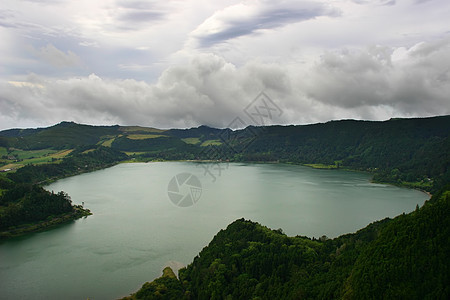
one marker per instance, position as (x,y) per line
(88,44)
(362,84)
(415,83)
(56,57)
(376,2)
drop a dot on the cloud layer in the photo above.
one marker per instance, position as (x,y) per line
(186,63)
(374,83)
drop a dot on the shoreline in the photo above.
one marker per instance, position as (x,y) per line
(313,166)
(79,212)
(82,212)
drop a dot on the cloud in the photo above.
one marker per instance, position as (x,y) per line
(251,17)
(422,1)
(416,81)
(45,1)
(5,16)
(56,57)
(130,15)
(89,44)
(377,2)
(206,91)
(9,19)
(365,83)
(140,16)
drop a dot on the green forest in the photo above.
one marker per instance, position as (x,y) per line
(24,201)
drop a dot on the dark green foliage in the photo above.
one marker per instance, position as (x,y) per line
(5,183)
(20,132)
(4,141)
(410,258)
(185,152)
(165,287)
(161,288)
(249,261)
(202,132)
(397,151)
(14,193)
(23,201)
(64,135)
(152,144)
(27,203)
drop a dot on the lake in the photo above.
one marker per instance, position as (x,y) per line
(138,228)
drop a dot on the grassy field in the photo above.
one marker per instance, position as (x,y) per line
(23,154)
(62,153)
(36,160)
(193,140)
(108,143)
(87,151)
(143,136)
(34,157)
(134,153)
(3,151)
(10,166)
(129,129)
(58,155)
(211,143)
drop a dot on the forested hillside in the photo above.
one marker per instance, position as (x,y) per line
(413,152)
(24,201)
(409,152)
(402,258)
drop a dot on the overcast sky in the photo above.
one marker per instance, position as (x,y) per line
(184,63)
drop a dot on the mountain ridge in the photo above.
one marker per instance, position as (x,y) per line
(399,151)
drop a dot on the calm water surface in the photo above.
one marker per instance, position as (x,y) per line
(136,230)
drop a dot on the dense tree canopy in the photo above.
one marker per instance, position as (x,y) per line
(24,201)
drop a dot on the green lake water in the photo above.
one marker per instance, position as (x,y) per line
(136,230)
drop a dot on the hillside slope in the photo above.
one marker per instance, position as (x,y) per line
(402,258)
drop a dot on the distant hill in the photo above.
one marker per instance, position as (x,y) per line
(59,136)
(15,133)
(204,132)
(412,152)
